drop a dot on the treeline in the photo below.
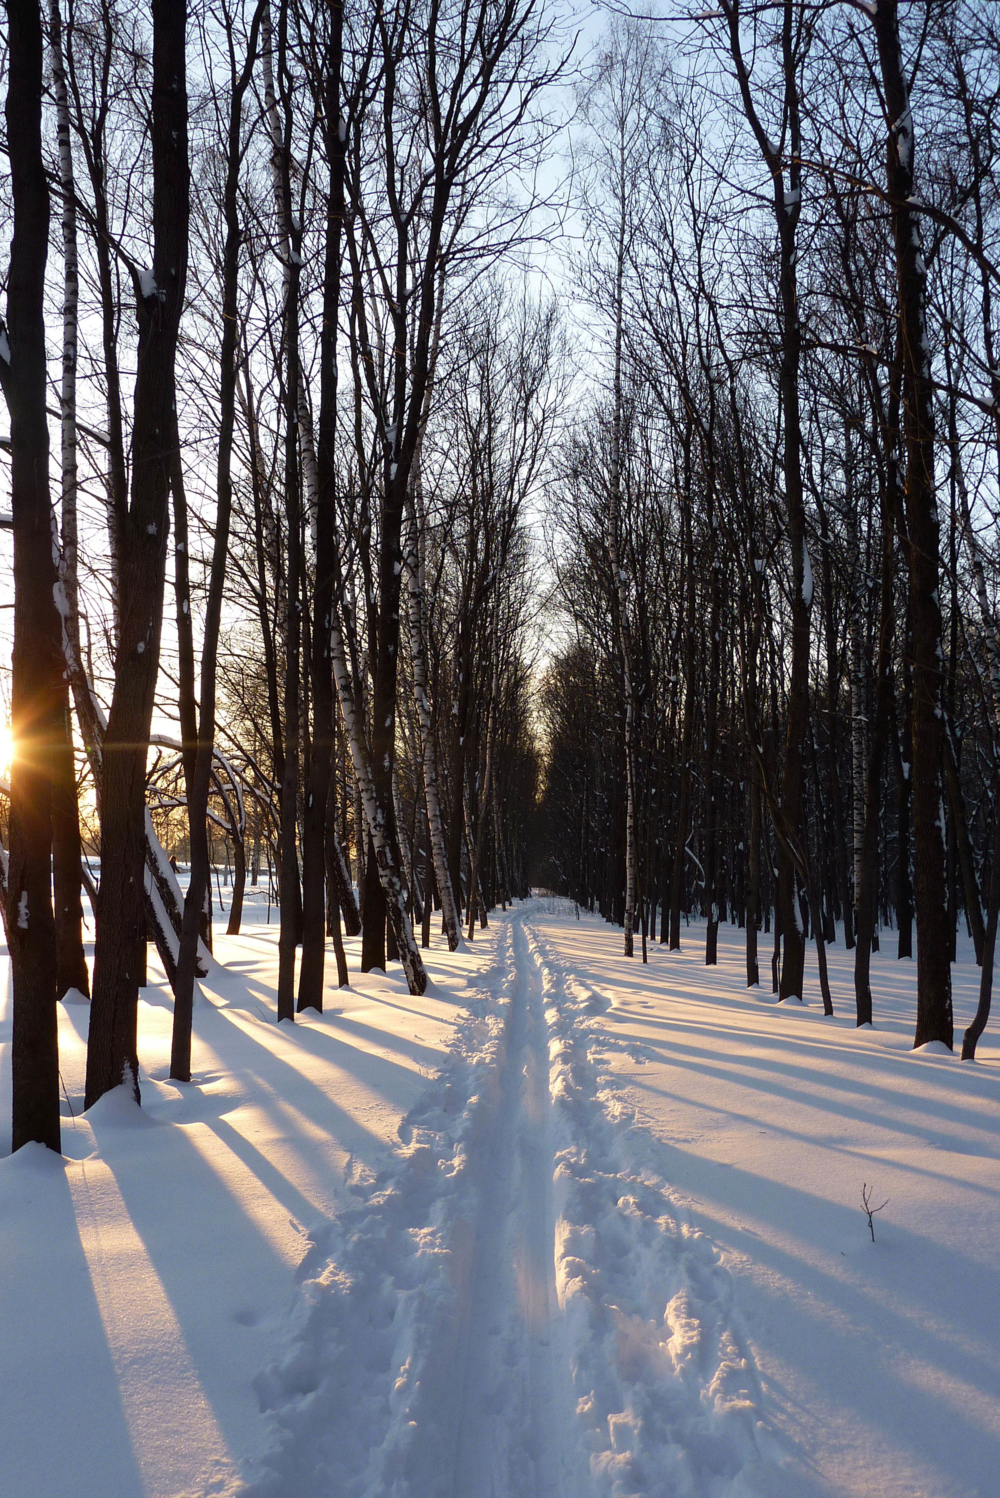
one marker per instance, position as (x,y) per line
(276,573)
(267,283)
(774,532)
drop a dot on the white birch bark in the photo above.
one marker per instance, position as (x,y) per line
(618,583)
(273,121)
(389,875)
(859,743)
(477,851)
(70,339)
(415,576)
(401,837)
(414,573)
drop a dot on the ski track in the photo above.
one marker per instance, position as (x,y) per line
(518,1309)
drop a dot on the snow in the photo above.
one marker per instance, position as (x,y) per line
(566,1226)
(22,911)
(902,129)
(807,576)
(4,347)
(147,284)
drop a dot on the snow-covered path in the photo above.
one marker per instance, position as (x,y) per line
(509,1389)
(563,1227)
(548,1323)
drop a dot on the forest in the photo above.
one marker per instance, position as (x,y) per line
(499,749)
(448,456)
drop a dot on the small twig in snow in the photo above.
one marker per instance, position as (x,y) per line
(866,1202)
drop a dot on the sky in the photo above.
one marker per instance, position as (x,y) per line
(581,24)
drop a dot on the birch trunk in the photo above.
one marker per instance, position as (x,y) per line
(477,851)
(619,590)
(67,868)
(376,819)
(428,750)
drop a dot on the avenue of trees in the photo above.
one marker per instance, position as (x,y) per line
(773,532)
(275,568)
(287,397)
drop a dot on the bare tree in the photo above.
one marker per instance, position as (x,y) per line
(37,717)
(111,1052)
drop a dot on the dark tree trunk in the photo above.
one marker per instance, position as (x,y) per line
(239,887)
(753,883)
(963,852)
(37,688)
(291,233)
(199,737)
(934,1009)
(334,874)
(121,919)
(687,740)
(975,1030)
(839,829)
(866,895)
(711,739)
(315,835)
(373,919)
(787,207)
(67,865)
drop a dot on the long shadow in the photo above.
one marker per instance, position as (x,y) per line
(708,985)
(274,1180)
(856,1358)
(862,1056)
(428,1057)
(87,1438)
(707,1063)
(783,1131)
(819,1205)
(378,1073)
(280,1081)
(898,1060)
(363,997)
(194,1218)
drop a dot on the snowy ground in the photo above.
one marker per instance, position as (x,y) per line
(565,1227)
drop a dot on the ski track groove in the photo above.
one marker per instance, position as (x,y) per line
(506,1429)
(519,1309)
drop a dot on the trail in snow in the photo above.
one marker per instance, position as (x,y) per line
(512,1410)
(666,1395)
(682,1157)
(518,1310)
